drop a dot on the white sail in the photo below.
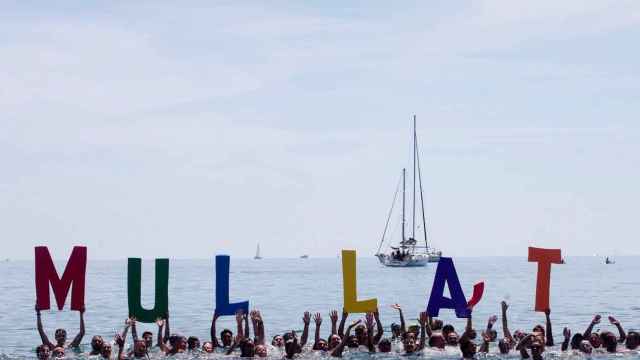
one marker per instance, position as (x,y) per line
(257,257)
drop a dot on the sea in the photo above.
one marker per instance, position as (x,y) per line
(283,289)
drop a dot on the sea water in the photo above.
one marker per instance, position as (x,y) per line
(282,289)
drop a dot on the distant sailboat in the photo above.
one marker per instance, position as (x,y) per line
(609,261)
(258,257)
(305,256)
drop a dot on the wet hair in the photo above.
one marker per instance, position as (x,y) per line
(61,332)
(493,335)
(436,324)
(504,346)
(609,341)
(225,331)
(40,349)
(432,340)
(352,341)
(467,348)
(633,340)
(447,329)
(384,343)
(147,333)
(576,339)
(192,341)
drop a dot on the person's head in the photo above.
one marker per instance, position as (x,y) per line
(352,341)
(226,336)
(96,344)
(261,350)
(193,343)
(409,342)
(43,352)
(576,339)
(361,333)
(595,340)
(395,330)
(609,341)
(415,330)
(468,348)
(585,346)
(519,335)
(493,335)
(247,348)
(334,341)
(139,348)
(58,352)
(504,345)
(633,340)
(147,336)
(452,338)
(180,343)
(61,337)
(436,324)
(436,340)
(207,347)
(321,345)
(277,341)
(106,351)
(447,329)
(384,346)
(538,329)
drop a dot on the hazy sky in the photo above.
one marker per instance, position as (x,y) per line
(153,129)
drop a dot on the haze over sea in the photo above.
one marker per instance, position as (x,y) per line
(284,288)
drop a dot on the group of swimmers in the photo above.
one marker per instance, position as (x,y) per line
(429,333)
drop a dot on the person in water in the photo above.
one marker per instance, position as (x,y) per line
(60,334)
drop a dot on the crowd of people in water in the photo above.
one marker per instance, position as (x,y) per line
(362,335)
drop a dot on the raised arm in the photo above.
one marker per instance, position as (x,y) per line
(596,320)
(567,337)
(167,330)
(522,346)
(549,334)
(486,338)
(369,323)
(469,328)
(403,328)
(505,324)
(260,324)
(616,323)
(119,340)
(337,351)
(160,323)
(254,324)
(134,331)
(214,337)
(43,335)
(379,328)
(424,320)
(333,315)
(78,339)
(342,321)
(246,326)
(306,319)
(240,333)
(317,318)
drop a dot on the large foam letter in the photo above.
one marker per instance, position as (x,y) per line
(446,273)
(134,291)
(223,307)
(74,273)
(544,258)
(351,303)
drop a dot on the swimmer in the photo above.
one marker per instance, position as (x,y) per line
(492,334)
(384,345)
(43,352)
(318,343)
(594,339)
(258,327)
(96,345)
(177,345)
(403,328)
(60,334)
(57,353)
(226,336)
(633,340)
(306,320)
(566,334)
(609,341)
(207,347)
(467,346)
(532,342)
(193,343)
(105,351)
(337,351)
(616,323)
(333,315)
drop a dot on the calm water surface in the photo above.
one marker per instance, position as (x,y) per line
(284,288)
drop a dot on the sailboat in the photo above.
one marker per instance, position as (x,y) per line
(258,257)
(407,253)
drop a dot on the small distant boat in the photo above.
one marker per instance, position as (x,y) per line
(258,257)
(609,261)
(305,256)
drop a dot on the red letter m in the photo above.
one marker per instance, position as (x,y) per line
(74,273)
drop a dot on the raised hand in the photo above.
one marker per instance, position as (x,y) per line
(486,337)
(306,318)
(504,305)
(159,322)
(567,333)
(423,319)
(492,319)
(396,307)
(333,315)
(317,318)
(239,315)
(596,319)
(547,312)
(613,321)
(129,321)
(119,340)
(369,321)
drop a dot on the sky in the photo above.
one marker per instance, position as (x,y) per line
(162,130)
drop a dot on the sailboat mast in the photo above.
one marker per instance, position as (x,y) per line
(403,201)
(424,219)
(413,222)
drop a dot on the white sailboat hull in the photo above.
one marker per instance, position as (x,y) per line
(408,261)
